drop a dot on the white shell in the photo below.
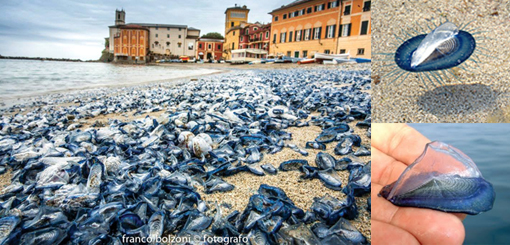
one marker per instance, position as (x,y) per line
(200,147)
(433,41)
(185,137)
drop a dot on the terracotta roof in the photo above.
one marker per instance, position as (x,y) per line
(292,4)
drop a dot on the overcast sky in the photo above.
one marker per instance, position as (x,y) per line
(76,29)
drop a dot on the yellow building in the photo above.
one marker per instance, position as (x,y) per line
(355,32)
(235,19)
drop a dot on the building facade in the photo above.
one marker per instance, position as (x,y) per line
(131,44)
(209,49)
(164,40)
(255,36)
(355,29)
(305,27)
(236,18)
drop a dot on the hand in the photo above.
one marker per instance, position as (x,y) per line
(394,146)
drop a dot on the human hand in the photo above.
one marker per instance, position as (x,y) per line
(394,146)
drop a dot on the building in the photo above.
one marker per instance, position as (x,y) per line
(305,27)
(255,36)
(164,40)
(355,29)
(236,18)
(210,49)
(131,44)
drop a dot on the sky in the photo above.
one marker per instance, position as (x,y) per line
(76,29)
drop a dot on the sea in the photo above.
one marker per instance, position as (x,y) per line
(25,78)
(489,147)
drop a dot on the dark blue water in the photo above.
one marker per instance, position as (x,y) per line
(489,147)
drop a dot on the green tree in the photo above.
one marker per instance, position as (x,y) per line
(213,35)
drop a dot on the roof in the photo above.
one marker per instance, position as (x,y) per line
(237,8)
(193,29)
(132,27)
(292,4)
(159,25)
(211,40)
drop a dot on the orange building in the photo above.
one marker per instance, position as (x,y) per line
(305,27)
(131,44)
(236,18)
(355,32)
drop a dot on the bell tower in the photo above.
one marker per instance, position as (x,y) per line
(120,17)
(234,16)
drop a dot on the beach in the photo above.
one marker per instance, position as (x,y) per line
(480,92)
(108,108)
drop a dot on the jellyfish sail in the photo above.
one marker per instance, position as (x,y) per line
(442,178)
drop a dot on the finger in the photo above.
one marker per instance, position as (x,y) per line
(384,233)
(399,141)
(385,169)
(426,225)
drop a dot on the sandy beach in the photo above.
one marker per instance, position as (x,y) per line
(481,93)
(300,191)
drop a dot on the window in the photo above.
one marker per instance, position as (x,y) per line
(330,31)
(274,38)
(180,29)
(347,10)
(366,6)
(290,36)
(219,46)
(267,34)
(241,38)
(298,35)
(302,12)
(305,53)
(179,36)
(282,37)
(209,46)
(309,10)
(342,51)
(234,33)
(317,32)
(296,54)
(335,4)
(307,34)
(118,16)
(168,28)
(232,24)
(168,35)
(260,37)
(167,44)
(246,32)
(179,45)
(320,7)
(255,28)
(364,27)
(361,51)
(156,27)
(156,35)
(232,45)
(285,16)
(276,18)
(296,13)
(190,46)
(345,30)
(199,45)
(326,51)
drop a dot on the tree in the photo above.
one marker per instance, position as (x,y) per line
(213,35)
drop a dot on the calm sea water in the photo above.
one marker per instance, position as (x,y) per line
(489,147)
(21,78)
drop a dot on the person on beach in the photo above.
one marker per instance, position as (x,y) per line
(394,146)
